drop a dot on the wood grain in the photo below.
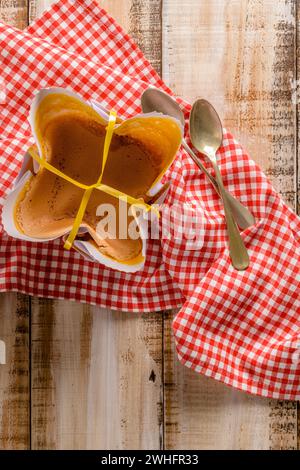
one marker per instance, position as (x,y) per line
(203,414)
(14,12)
(14,325)
(14,375)
(142,20)
(96,374)
(37,7)
(241,56)
(283,425)
(96,378)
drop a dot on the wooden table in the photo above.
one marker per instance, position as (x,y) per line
(80,377)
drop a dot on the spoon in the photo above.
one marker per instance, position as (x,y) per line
(207,135)
(155,100)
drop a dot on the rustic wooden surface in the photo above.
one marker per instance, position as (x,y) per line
(80,377)
(15,374)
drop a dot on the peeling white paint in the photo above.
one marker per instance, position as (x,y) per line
(2,353)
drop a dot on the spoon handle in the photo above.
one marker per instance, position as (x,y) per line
(242,215)
(238,252)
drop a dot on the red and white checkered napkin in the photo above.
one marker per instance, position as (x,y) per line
(241,328)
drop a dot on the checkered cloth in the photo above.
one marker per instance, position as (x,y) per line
(241,328)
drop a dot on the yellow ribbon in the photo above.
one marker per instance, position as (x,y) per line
(88,192)
(89,188)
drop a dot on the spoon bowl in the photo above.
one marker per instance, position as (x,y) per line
(205,128)
(207,135)
(156,100)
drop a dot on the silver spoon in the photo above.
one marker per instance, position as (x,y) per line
(155,100)
(207,135)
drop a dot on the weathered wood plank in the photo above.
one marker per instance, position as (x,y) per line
(203,414)
(14,374)
(283,425)
(241,56)
(97,380)
(142,20)
(14,12)
(14,324)
(37,7)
